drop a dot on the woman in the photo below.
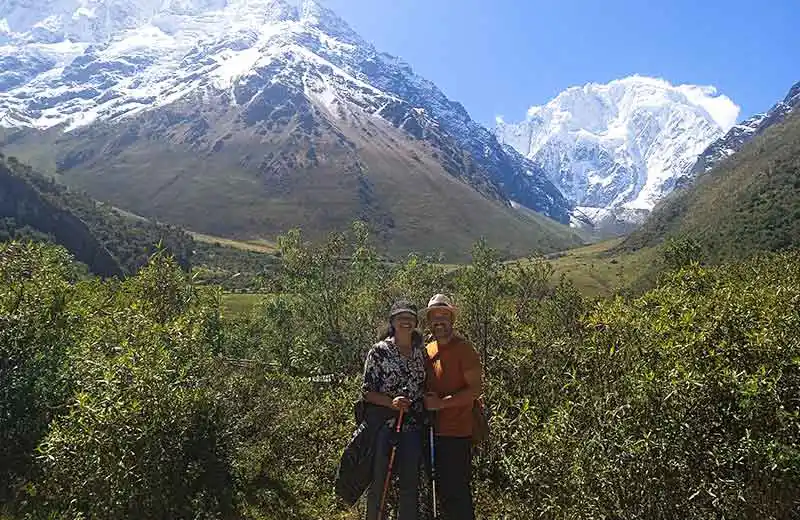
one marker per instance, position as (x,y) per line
(394,378)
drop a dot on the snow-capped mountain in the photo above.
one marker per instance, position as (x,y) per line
(245,117)
(747,130)
(77,62)
(618,148)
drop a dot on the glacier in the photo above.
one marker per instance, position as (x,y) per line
(619,148)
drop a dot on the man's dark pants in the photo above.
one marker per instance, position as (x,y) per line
(454,476)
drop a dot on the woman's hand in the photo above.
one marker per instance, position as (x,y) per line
(401,403)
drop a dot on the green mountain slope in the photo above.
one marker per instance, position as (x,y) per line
(218,169)
(749,202)
(32,206)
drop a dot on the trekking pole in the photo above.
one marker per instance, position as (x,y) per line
(391,462)
(433,462)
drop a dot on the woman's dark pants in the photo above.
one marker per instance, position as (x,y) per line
(406,467)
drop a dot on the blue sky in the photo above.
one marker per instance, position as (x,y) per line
(499,57)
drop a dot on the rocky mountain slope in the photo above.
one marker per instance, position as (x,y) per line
(747,203)
(246,117)
(746,131)
(615,150)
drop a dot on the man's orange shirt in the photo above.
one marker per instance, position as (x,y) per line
(446,367)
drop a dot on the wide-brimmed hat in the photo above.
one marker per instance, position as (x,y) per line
(403,307)
(440,301)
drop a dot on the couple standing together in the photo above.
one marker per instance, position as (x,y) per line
(441,379)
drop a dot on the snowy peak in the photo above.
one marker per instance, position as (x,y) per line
(314,14)
(96,21)
(53,21)
(622,144)
(72,63)
(136,55)
(747,130)
(594,106)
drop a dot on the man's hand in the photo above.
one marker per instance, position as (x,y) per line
(401,403)
(433,401)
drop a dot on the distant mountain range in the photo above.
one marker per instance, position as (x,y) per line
(615,150)
(244,118)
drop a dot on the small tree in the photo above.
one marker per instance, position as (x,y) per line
(417,279)
(336,292)
(481,288)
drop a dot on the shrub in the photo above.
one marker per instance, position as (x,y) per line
(35,338)
(132,398)
(679,403)
(142,433)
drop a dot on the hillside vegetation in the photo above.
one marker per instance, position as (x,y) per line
(136,399)
(109,243)
(750,202)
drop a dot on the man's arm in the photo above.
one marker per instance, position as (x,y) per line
(473,375)
(465,397)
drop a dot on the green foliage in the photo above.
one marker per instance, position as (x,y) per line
(35,337)
(112,382)
(417,279)
(134,398)
(748,203)
(235,270)
(11,230)
(34,206)
(286,431)
(675,404)
(481,290)
(681,252)
(337,283)
(328,302)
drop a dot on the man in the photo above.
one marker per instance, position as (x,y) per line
(454,383)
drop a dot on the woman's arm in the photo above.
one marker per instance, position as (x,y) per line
(378,398)
(372,383)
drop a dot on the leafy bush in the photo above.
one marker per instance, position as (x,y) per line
(142,434)
(680,403)
(133,398)
(35,337)
(327,303)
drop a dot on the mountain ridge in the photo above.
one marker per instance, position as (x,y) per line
(294,74)
(746,203)
(110,244)
(747,130)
